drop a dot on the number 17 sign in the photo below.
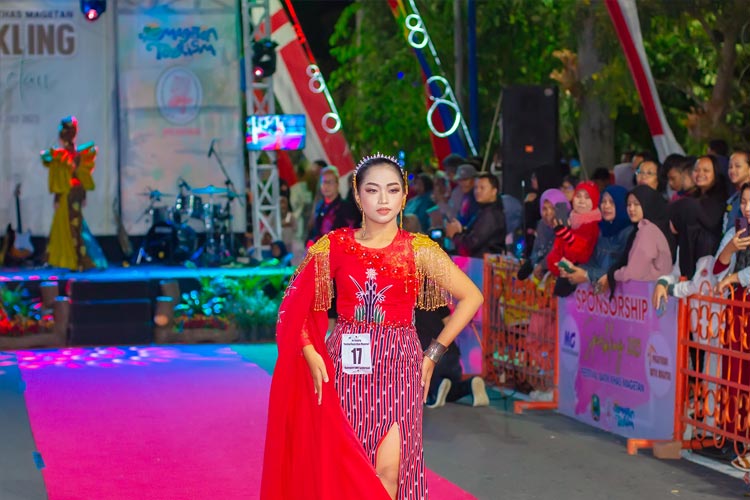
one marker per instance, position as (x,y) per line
(356,358)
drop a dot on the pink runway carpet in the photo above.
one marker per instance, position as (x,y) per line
(166,423)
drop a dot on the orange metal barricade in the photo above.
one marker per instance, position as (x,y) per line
(715,349)
(712,393)
(520,333)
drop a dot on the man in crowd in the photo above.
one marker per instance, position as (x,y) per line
(331,212)
(484,233)
(625,174)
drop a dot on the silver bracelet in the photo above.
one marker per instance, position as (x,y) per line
(435,351)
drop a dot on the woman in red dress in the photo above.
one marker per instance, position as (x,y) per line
(345,413)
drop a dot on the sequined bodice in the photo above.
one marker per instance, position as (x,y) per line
(374,285)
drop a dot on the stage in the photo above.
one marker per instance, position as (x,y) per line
(117,306)
(150,272)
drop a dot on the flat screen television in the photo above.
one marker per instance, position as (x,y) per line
(275,132)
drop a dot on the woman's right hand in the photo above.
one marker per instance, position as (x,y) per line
(660,293)
(576,276)
(740,242)
(317,369)
(726,283)
(602,285)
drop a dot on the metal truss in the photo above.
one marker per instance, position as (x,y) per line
(259,100)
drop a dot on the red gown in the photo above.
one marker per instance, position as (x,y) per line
(328,451)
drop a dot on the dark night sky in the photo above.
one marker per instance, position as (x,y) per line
(318,17)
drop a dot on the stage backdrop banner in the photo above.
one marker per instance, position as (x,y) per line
(179,90)
(618,361)
(54,63)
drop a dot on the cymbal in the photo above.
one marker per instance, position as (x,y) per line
(157,194)
(210,191)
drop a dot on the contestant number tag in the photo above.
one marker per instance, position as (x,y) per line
(355,353)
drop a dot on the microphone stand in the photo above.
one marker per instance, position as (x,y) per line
(232,195)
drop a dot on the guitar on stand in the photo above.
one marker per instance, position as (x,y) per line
(17,247)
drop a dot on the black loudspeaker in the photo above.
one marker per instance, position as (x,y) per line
(106,312)
(111,322)
(530,137)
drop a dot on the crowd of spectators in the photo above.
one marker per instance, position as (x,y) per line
(681,224)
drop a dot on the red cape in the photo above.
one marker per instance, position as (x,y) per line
(311,450)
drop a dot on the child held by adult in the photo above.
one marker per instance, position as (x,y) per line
(575,238)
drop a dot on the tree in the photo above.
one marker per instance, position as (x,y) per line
(699,52)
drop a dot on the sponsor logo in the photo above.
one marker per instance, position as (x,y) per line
(179,95)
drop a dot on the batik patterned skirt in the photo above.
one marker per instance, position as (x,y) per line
(391,394)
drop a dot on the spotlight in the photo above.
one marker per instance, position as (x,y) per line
(92,9)
(264,58)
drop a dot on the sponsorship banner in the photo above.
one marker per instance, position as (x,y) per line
(179,95)
(469,341)
(54,63)
(618,361)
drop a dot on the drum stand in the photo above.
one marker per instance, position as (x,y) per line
(231,196)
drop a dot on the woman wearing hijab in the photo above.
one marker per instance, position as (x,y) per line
(545,233)
(649,252)
(711,192)
(696,246)
(614,230)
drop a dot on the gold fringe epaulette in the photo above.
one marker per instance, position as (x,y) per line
(433,268)
(319,256)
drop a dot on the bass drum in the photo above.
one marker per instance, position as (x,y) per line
(170,243)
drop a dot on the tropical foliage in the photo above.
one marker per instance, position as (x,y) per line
(699,53)
(20,314)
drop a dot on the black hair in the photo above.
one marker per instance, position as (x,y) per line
(365,165)
(321,163)
(719,187)
(718,146)
(742,152)
(427,183)
(646,155)
(672,161)
(453,161)
(491,178)
(600,174)
(688,163)
(572,179)
(661,175)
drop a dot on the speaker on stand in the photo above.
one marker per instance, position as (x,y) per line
(530,126)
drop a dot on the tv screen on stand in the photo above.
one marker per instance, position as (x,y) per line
(275,132)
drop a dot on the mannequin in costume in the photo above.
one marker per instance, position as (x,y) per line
(71,244)
(345,413)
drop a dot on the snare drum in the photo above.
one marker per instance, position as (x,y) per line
(189,206)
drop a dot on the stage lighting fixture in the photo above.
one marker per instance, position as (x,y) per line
(92,9)
(264,58)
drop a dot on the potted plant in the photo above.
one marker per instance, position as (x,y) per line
(25,323)
(200,316)
(255,315)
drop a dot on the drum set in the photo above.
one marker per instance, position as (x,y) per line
(175,228)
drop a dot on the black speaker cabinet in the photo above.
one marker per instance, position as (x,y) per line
(530,137)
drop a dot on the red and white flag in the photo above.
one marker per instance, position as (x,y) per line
(624,15)
(298,89)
